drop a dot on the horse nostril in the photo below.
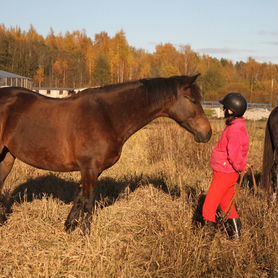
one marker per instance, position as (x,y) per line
(209,134)
(203,138)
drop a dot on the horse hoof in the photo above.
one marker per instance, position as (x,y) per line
(70,226)
(3,216)
(85,229)
(3,219)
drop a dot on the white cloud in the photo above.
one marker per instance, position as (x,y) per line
(267,33)
(224,50)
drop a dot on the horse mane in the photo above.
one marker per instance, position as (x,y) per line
(111,88)
(162,86)
(155,89)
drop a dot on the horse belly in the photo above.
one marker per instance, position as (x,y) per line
(45,148)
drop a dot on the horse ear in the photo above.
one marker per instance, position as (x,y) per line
(194,77)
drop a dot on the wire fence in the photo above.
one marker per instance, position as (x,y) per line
(216,104)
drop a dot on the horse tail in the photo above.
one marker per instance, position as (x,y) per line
(268,157)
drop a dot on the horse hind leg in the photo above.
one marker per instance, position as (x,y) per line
(6,164)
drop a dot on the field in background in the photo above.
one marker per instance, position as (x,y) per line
(143,222)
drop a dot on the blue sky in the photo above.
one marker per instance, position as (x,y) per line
(232,29)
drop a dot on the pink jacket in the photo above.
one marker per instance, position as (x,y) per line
(231,153)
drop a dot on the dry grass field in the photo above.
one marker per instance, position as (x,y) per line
(143,221)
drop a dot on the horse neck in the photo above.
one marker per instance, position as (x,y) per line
(135,108)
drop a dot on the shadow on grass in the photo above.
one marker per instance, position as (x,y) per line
(108,190)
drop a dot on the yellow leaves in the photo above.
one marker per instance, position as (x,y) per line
(70,60)
(39,76)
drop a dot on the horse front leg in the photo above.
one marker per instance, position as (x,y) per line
(75,213)
(274,175)
(84,203)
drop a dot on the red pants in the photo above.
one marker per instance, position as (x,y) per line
(221,192)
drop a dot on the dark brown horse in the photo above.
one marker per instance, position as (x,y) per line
(270,156)
(86,132)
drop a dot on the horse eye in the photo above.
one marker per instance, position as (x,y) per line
(191,99)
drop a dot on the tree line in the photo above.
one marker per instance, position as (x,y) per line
(75,60)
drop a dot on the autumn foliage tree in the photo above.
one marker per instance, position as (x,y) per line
(102,73)
(39,76)
(75,60)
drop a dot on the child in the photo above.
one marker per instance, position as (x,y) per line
(229,159)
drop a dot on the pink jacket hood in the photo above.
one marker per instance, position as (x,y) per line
(231,152)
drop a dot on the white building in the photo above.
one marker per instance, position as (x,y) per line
(11,79)
(57,92)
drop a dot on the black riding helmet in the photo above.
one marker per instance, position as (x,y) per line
(235,102)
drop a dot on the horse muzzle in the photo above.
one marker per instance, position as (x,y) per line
(202,138)
(199,136)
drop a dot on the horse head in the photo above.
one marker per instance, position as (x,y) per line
(187,110)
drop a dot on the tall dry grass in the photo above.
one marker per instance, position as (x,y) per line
(143,221)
